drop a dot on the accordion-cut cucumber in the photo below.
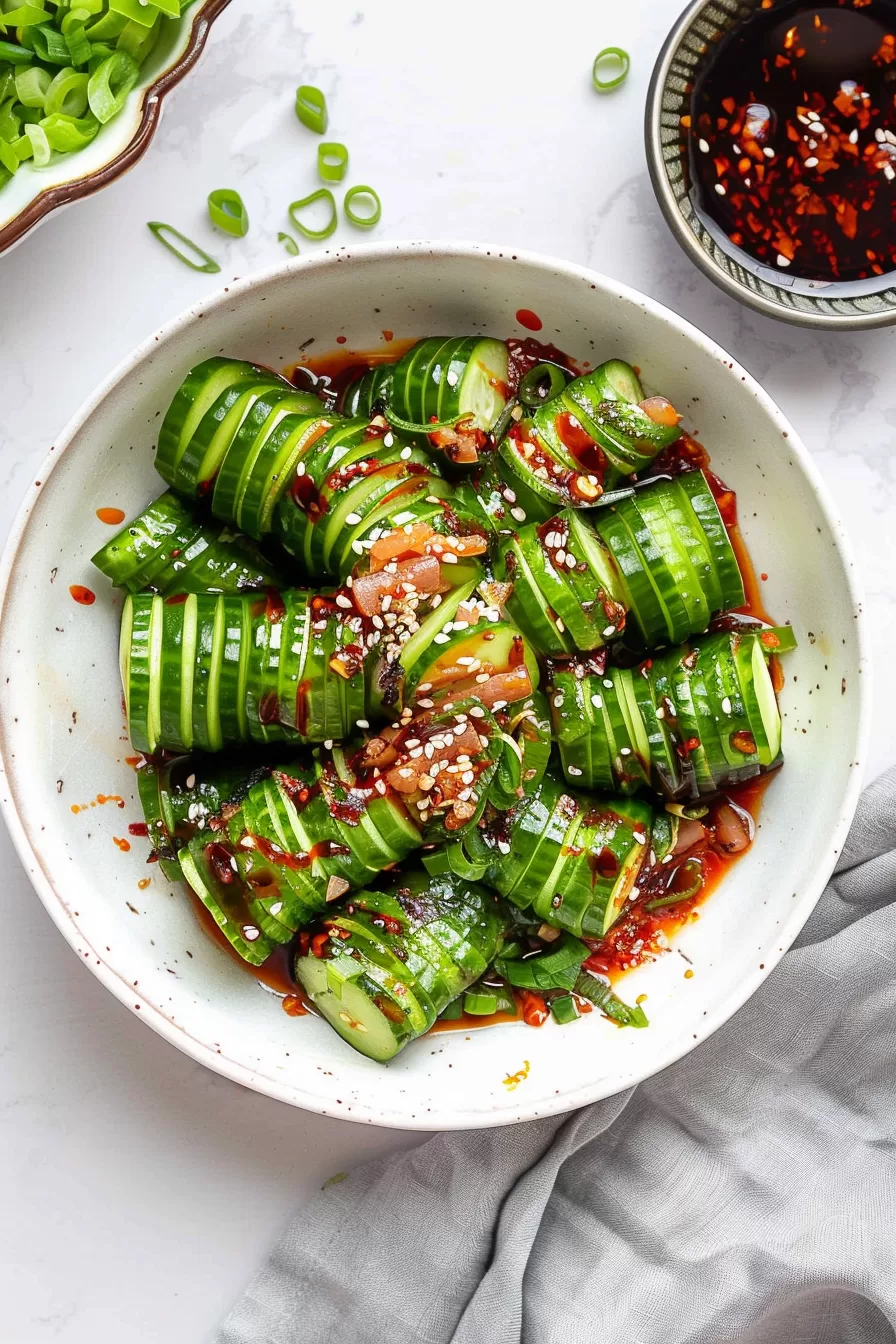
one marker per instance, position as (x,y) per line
(395,960)
(654,565)
(169,548)
(451,379)
(686,723)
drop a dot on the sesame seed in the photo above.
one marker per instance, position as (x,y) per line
(573,770)
(451,378)
(608,683)
(191,781)
(425,704)
(388,439)
(769,152)
(449,558)
(560,557)
(660,713)
(625,751)
(405,454)
(638,838)
(440,639)
(597,702)
(477,712)
(353,518)
(817,129)
(437,601)
(329,744)
(250,933)
(362,723)
(782,260)
(300,469)
(343,601)
(703,146)
(559,624)
(853,137)
(357,548)
(726,705)
(608,631)
(518,514)
(509,495)
(811,162)
(720,190)
(558,701)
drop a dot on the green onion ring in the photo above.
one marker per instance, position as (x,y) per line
(66,133)
(9,159)
(67,94)
(311,108)
(26,16)
(362,221)
(227,211)
(316,235)
(621,59)
(332,161)
(414,427)
(32,85)
(110,84)
(16,55)
(289,243)
(166,232)
(40,145)
(532,384)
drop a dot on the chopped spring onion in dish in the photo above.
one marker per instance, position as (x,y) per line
(65,71)
(190,253)
(611,67)
(332,161)
(448,691)
(227,211)
(311,108)
(316,235)
(370,214)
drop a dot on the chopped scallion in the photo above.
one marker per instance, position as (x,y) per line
(110,84)
(169,237)
(289,243)
(316,235)
(364,221)
(611,67)
(541,383)
(311,108)
(332,161)
(227,211)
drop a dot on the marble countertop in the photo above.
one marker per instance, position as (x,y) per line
(139,1190)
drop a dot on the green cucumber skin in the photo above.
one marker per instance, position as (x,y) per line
(450,379)
(362,395)
(714,692)
(556,840)
(432,936)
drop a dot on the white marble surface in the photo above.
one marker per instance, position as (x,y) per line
(139,1191)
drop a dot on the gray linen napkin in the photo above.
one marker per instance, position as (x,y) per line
(746,1193)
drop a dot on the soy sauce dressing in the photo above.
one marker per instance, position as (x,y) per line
(642,935)
(790,144)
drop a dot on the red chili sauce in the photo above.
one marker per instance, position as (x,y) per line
(642,935)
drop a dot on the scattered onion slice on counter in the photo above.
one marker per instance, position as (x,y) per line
(361,193)
(316,235)
(289,243)
(619,63)
(169,237)
(311,108)
(227,211)
(332,161)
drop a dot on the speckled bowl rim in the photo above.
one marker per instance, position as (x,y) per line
(679,228)
(378,1114)
(66,193)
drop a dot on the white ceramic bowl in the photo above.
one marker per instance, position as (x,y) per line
(64,744)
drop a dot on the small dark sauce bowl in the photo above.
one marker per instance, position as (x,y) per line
(686,52)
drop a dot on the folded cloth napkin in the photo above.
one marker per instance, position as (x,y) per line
(746,1193)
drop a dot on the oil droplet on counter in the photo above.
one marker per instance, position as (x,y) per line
(99,801)
(144,882)
(123,845)
(387,334)
(111,516)
(526,318)
(513,1080)
(340,340)
(689,975)
(293,1006)
(86,596)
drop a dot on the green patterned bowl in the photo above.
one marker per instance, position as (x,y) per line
(809,303)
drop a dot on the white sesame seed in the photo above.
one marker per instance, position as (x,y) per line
(638,838)
(726,705)
(357,548)
(597,702)
(853,137)
(509,495)
(451,378)
(483,676)
(343,601)
(608,683)
(811,162)
(573,770)
(518,514)
(608,631)
(405,454)
(703,146)
(353,518)
(477,712)
(558,701)
(625,751)
(769,152)
(782,260)
(362,723)
(660,713)
(570,561)
(559,624)
(560,557)
(300,469)
(250,933)
(449,558)
(388,439)
(720,190)
(440,639)
(437,601)
(191,781)
(817,129)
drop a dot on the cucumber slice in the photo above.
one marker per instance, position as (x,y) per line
(694,490)
(616,380)
(214,436)
(361,395)
(228,912)
(373,1023)
(759,699)
(665,562)
(143,627)
(481,394)
(201,388)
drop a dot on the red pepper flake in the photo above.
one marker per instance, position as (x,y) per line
(292,1004)
(744,742)
(340,340)
(123,845)
(534,1008)
(319,944)
(138,828)
(85,596)
(111,516)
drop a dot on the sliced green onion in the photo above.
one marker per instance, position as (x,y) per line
(317,235)
(311,108)
(289,243)
(332,161)
(16,55)
(362,221)
(107,27)
(598,992)
(619,63)
(227,211)
(79,51)
(172,8)
(200,260)
(40,145)
(418,427)
(66,133)
(32,85)
(564,1009)
(67,94)
(136,10)
(26,16)
(556,969)
(110,84)
(8,157)
(541,383)
(50,45)
(138,41)
(480,1003)
(10,123)
(687,882)
(100,51)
